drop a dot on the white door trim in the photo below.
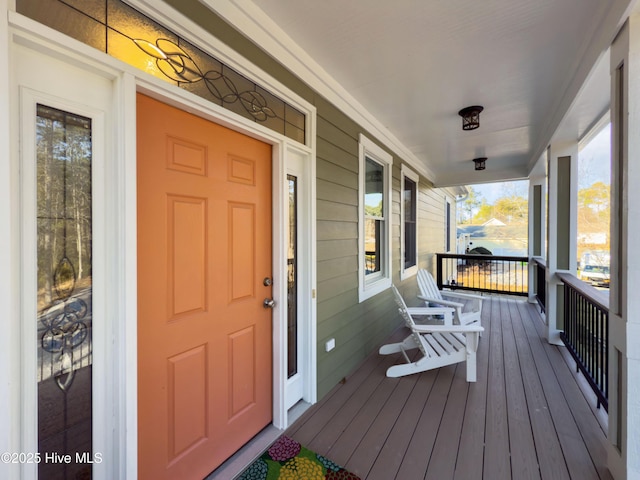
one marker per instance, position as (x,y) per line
(303,385)
(9,263)
(95,103)
(120,244)
(284,153)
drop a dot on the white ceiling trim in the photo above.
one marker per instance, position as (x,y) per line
(245,16)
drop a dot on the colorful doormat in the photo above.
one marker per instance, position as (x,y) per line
(286,459)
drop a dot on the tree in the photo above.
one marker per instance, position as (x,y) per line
(469,205)
(594,212)
(484,214)
(596,198)
(512,209)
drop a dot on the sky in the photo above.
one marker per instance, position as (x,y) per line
(593,166)
(594,160)
(492,191)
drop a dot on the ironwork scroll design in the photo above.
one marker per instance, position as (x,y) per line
(65,329)
(177,65)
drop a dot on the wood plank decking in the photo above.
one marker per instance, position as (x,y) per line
(527,416)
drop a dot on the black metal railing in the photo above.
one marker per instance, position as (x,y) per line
(371,261)
(586,332)
(483,273)
(540,274)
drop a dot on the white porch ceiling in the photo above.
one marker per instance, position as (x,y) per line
(412,64)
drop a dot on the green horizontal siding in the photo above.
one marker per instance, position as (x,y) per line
(358,328)
(431,216)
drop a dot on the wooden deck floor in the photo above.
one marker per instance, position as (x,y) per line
(527,416)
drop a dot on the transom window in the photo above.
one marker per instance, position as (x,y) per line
(116,28)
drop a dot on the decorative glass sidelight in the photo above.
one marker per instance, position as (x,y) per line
(121,31)
(64,343)
(292,279)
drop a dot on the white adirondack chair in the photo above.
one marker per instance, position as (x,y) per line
(439,345)
(467,307)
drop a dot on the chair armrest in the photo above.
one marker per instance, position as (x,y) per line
(445,303)
(469,296)
(448,328)
(430,310)
(445,312)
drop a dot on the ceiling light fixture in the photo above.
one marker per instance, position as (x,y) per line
(470,117)
(480,163)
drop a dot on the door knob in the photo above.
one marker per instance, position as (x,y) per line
(269,303)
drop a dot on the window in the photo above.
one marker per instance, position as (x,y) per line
(292,279)
(409,223)
(374,225)
(65,298)
(447,225)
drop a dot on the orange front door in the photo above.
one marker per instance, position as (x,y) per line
(204,250)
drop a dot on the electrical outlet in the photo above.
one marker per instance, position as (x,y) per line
(330,345)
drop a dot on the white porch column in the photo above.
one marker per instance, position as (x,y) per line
(624,300)
(537,229)
(562,234)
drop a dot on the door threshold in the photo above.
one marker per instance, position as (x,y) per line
(255,447)
(295,412)
(240,460)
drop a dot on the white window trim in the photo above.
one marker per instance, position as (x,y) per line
(411,175)
(367,288)
(447,201)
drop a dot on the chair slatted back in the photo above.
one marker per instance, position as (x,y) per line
(428,285)
(408,320)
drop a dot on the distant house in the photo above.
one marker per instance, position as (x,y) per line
(597,238)
(494,222)
(494,235)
